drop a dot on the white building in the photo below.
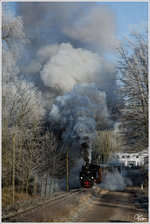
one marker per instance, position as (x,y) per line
(134,158)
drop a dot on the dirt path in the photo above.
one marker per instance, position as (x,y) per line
(112,206)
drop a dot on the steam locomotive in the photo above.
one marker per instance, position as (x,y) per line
(89,175)
(93,174)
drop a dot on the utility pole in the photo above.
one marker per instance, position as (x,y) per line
(13,170)
(67,168)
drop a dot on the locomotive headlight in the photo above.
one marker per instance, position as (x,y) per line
(81,178)
(92,177)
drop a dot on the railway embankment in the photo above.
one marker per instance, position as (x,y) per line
(71,206)
(60,207)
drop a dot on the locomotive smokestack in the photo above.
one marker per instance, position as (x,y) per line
(85,151)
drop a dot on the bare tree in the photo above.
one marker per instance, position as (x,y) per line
(13,35)
(53,164)
(22,111)
(106,143)
(132,74)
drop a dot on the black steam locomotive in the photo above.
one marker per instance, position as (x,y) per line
(89,175)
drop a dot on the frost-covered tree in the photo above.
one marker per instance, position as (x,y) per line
(21,104)
(132,74)
(22,111)
(106,143)
(13,35)
(53,161)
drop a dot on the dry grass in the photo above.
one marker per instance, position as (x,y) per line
(7,196)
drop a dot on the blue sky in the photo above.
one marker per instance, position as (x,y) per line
(128,14)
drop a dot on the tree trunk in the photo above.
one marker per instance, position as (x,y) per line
(20,150)
(23,186)
(46,183)
(29,172)
(19,162)
(50,186)
(53,171)
(67,168)
(41,186)
(35,187)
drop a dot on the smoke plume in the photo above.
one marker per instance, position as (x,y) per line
(68,43)
(65,59)
(78,23)
(95,27)
(58,67)
(69,66)
(77,114)
(115,181)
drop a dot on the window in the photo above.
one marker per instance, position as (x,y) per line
(128,156)
(137,156)
(122,156)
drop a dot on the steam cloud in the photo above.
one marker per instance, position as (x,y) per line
(66,57)
(79,23)
(77,114)
(58,67)
(115,181)
(72,30)
(96,28)
(69,66)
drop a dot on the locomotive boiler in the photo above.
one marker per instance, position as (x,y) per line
(89,175)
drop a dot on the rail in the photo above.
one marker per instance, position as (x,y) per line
(39,204)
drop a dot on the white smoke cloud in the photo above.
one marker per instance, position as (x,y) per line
(77,114)
(90,23)
(96,27)
(46,52)
(58,67)
(61,66)
(70,66)
(33,68)
(115,181)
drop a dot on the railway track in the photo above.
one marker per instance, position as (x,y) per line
(50,201)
